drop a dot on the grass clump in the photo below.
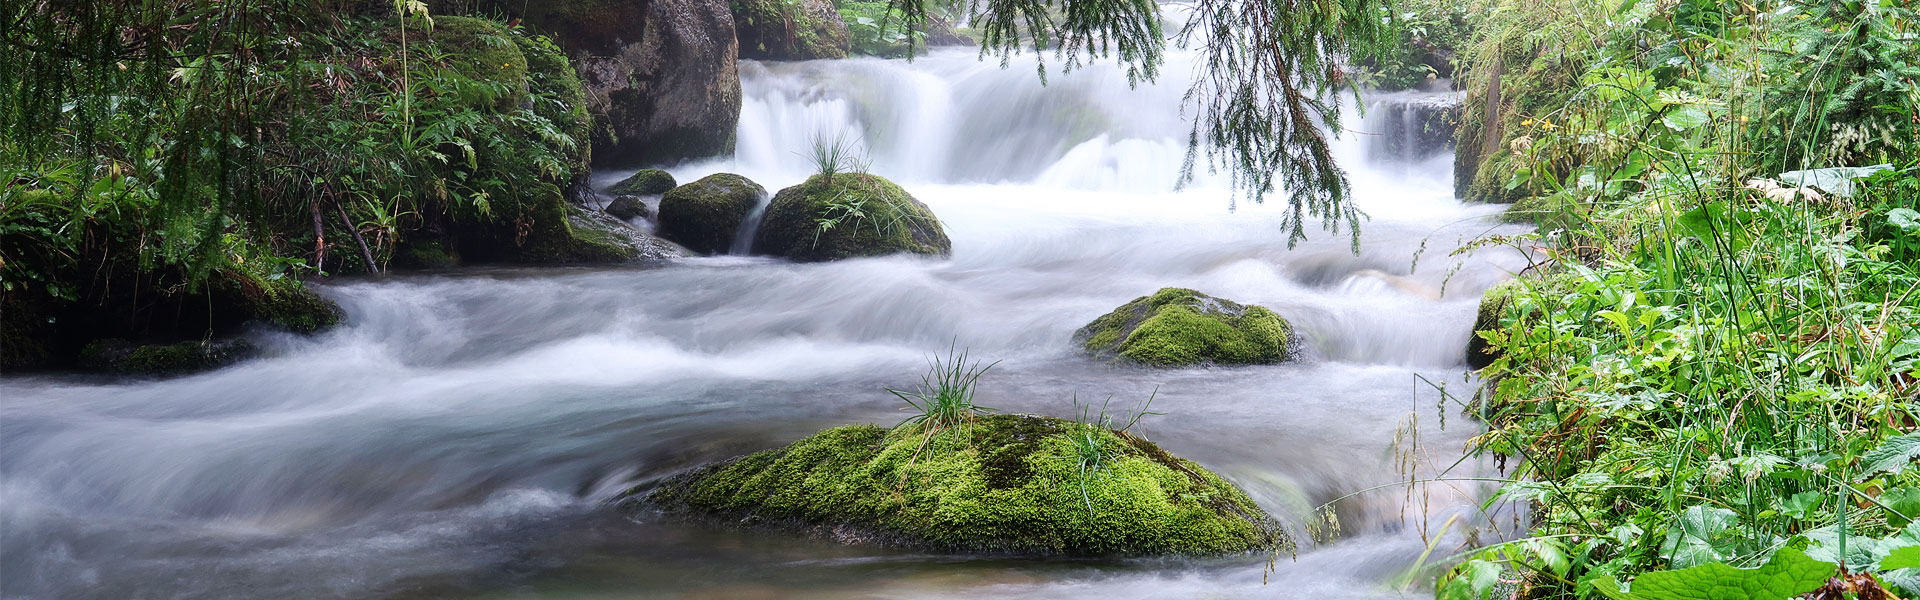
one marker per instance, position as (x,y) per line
(1179,327)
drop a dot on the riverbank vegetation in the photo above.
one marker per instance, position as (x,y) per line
(171,169)
(1713,361)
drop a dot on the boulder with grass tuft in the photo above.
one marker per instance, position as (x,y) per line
(1002,483)
(846,215)
(1179,327)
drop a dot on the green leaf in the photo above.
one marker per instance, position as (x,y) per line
(1905,502)
(1905,218)
(1472,580)
(1893,456)
(1687,117)
(1907,557)
(1700,537)
(1789,573)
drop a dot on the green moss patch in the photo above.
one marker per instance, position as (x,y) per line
(646,182)
(1178,327)
(848,215)
(1007,483)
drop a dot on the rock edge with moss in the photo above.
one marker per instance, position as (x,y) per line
(1004,483)
(706,215)
(1179,327)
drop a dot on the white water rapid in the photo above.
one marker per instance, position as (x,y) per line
(460,435)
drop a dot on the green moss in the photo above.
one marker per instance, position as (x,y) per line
(1493,307)
(848,215)
(1006,483)
(428,254)
(645,182)
(706,215)
(1178,327)
(121,356)
(565,233)
(282,301)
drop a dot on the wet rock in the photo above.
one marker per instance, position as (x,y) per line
(645,182)
(706,215)
(1004,483)
(661,77)
(628,208)
(128,358)
(1411,127)
(1493,307)
(848,215)
(790,29)
(1179,327)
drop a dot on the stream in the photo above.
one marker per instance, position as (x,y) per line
(461,434)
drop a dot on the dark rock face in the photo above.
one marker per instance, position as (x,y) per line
(706,215)
(660,76)
(797,30)
(1413,126)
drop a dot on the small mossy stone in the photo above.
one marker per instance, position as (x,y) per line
(565,233)
(1179,327)
(1004,483)
(706,215)
(285,302)
(848,215)
(627,208)
(1494,306)
(646,182)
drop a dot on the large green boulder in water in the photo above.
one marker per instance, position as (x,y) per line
(1178,327)
(706,215)
(847,215)
(1004,483)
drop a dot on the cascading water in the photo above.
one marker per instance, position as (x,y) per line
(459,436)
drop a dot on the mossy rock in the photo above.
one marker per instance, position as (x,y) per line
(1179,327)
(124,357)
(1005,483)
(425,254)
(865,215)
(706,215)
(565,233)
(790,29)
(645,182)
(285,302)
(628,208)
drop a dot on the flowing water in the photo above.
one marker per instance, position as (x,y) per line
(460,435)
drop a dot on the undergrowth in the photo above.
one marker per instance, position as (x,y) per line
(1713,361)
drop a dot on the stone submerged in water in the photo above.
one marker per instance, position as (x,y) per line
(645,182)
(1179,327)
(1005,483)
(706,215)
(124,357)
(848,215)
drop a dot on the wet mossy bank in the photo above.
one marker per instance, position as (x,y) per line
(1180,327)
(1005,483)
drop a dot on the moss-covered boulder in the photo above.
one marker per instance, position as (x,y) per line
(706,215)
(1178,327)
(628,208)
(790,29)
(645,182)
(848,215)
(1005,483)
